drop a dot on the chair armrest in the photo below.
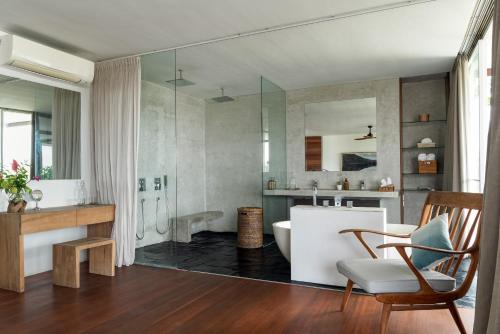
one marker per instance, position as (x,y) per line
(375,232)
(358,233)
(446,251)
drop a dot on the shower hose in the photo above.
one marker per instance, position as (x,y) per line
(166,215)
(137,235)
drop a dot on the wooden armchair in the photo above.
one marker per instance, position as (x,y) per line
(399,285)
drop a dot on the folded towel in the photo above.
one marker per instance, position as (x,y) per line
(426,141)
(422,157)
(431,156)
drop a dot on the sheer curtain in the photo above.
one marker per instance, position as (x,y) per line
(487,319)
(65,134)
(457,145)
(115,113)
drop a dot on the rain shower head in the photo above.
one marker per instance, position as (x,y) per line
(181,82)
(222,97)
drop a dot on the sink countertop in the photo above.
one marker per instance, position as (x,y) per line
(338,208)
(331,193)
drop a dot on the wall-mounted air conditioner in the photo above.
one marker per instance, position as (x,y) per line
(22,53)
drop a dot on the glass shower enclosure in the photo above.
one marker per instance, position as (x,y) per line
(274,155)
(174,165)
(157,159)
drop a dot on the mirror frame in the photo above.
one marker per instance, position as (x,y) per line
(85,117)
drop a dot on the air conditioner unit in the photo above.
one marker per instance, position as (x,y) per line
(27,55)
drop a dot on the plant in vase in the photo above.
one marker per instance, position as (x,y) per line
(15,184)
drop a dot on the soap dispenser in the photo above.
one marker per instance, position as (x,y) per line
(345,184)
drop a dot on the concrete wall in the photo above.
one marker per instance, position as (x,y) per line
(233,157)
(177,150)
(219,149)
(191,166)
(387,95)
(219,159)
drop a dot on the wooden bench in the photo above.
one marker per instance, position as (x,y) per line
(66,258)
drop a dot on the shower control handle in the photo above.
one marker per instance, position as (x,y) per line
(157,183)
(142,184)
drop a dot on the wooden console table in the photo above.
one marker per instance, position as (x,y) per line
(13,226)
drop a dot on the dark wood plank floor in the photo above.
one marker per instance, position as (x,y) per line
(151,300)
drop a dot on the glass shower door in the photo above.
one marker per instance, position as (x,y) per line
(157,162)
(273,106)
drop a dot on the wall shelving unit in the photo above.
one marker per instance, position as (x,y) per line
(424,94)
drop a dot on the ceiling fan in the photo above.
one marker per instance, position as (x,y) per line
(367,136)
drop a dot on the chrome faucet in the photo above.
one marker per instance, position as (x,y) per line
(315,192)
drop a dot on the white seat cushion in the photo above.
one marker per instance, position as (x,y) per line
(390,275)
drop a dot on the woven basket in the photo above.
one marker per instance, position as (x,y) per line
(250,228)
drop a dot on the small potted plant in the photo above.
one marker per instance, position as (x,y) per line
(15,184)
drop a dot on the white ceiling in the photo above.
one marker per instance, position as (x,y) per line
(408,41)
(340,117)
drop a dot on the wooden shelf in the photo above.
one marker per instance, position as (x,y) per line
(436,121)
(428,174)
(422,148)
(419,190)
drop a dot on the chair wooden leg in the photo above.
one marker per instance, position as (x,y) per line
(347,294)
(386,312)
(456,316)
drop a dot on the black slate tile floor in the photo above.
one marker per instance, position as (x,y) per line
(216,253)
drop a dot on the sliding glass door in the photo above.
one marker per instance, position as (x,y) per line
(478,113)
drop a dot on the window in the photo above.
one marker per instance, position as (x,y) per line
(16,137)
(478,113)
(26,136)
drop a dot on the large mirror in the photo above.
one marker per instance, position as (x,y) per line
(40,127)
(341,135)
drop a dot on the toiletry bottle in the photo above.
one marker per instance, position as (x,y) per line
(271,184)
(363,187)
(345,185)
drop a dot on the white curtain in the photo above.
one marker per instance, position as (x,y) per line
(115,114)
(487,319)
(65,134)
(456,174)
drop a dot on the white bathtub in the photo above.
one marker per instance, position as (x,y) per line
(282,235)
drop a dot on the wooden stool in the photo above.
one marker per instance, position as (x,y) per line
(66,257)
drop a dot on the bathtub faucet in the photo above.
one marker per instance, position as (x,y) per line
(315,192)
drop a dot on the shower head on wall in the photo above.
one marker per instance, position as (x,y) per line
(181,82)
(222,97)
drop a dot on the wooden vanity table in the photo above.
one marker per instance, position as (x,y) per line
(99,220)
